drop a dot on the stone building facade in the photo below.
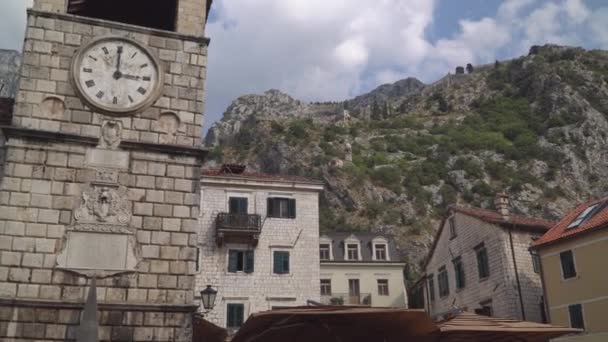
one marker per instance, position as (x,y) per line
(242,242)
(108,196)
(480,262)
(361,269)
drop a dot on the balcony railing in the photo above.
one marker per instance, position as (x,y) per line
(364,299)
(238,228)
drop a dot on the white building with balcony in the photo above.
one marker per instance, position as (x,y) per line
(257,244)
(361,269)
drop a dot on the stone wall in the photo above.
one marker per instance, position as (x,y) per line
(261,290)
(51,42)
(501,286)
(35,323)
(72,198)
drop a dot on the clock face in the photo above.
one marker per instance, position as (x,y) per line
(117,76)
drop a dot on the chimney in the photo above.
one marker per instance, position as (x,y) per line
(502,205)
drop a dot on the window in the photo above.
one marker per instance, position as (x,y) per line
(240,261)
(235,314)
(324,251)
(485,309)
(444,284)
(281,208)
(352,251)
(281,262)
(576,316)
(483,267)
(568,268)
(580,218)
(353,288)
(161,15)
(459,273)
(382,287)
(380,251)
(237,205)
(325,287)
(432,287)
(535,262)
(452,223)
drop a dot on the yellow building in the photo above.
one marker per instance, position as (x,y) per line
(573,257)
(361,269)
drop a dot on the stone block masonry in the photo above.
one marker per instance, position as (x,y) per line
(87,195)
(51,41)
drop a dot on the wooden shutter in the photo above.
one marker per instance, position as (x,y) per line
(249,261)
(240,313)
(232,261)
(276,263)
(291,208)
(270,207)
(238,205)
(285,262)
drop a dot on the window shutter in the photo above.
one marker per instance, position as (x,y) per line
(234,206)
(269,207)
(231,311)
(240,313)
(249,261)
(232,261)
(243,204)
(291,208)
(277,263)
(285,262)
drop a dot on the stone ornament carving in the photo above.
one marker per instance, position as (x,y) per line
(168,124)
(111,131)
(106,176)
(103,204)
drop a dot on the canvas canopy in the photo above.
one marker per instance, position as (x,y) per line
(356,324)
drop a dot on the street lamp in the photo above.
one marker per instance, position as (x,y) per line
(208,297)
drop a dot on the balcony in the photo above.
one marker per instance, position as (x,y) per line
(237,228)
(363,299)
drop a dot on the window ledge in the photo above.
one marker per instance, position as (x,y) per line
(576,277)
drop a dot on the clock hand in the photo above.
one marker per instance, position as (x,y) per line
(117,73)
(130,77)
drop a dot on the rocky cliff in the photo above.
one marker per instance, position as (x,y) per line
(10,62)
(535,127)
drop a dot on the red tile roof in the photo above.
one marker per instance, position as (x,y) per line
(560,231)
(220,172)
(491,216)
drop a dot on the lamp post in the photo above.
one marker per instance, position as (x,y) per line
(208,298)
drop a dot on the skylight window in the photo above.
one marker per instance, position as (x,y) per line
(582,217)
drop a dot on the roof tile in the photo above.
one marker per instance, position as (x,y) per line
(560,232)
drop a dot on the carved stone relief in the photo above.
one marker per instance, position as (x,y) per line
(168,125)
(111,131)
(103,204)
(53,108)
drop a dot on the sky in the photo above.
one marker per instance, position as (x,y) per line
(332,50)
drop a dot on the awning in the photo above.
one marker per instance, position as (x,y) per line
(470,327)
(339,324)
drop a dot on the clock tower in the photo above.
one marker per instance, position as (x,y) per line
(100,182)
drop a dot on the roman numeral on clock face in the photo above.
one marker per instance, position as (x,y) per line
(147,78)
(100,94)
(89,70)
(115,100)
(141,90)
(105,50)
(90,83)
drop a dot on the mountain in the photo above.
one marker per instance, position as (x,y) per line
(535,127)
(10,62)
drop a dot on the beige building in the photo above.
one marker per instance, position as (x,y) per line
(361,269)
(573,258)
(480,262)
(258,235)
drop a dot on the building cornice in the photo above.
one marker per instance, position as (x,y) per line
(121,26)
(260,183)
(50,304)
(11,131)
(361,263)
